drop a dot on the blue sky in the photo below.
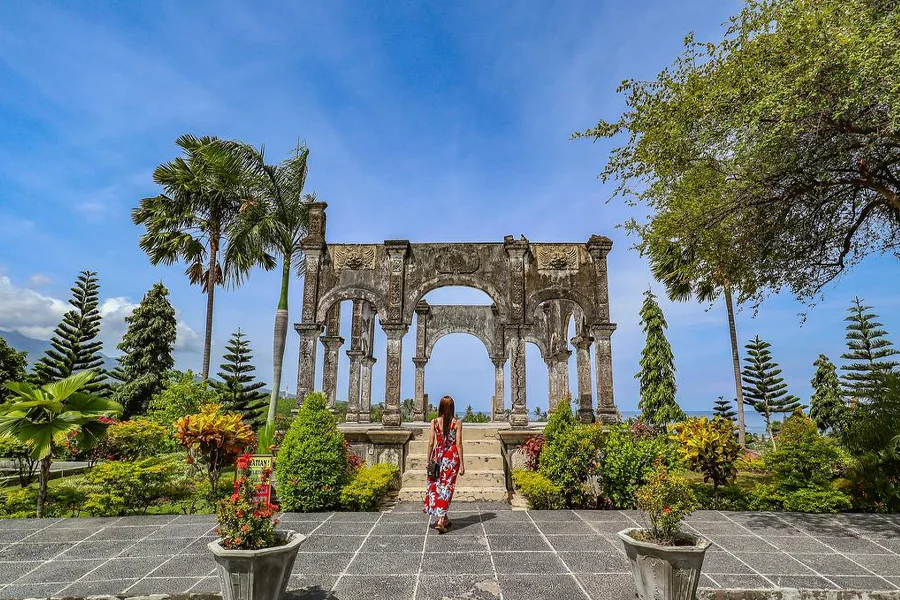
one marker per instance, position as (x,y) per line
(426,122)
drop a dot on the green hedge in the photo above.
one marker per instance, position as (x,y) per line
(540,492)
(369,487)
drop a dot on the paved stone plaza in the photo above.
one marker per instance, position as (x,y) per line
(492,550)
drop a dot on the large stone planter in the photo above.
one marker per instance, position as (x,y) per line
(665,572)
(256,574)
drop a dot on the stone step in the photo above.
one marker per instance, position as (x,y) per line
(470,446)
(471,432)
(492,478)
(460,494)
(474,462)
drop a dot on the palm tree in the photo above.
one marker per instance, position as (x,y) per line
(277,225)
(40,416)
(204,192)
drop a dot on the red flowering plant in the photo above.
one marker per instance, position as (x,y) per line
(666,499)
(245,521)
(531,449)
(354,461)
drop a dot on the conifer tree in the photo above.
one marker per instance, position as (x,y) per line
(657,374)
(826,407)
(764,390)
(724,408)
(147,347)
(870,353)
(75,346)
(12,368)
(237,390)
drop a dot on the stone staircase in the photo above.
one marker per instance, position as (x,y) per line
(485,477)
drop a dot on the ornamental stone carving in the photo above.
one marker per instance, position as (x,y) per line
(353,257)
(556,257)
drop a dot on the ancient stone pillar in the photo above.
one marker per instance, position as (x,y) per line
(306,367)
(563,389)
(498,411)
(353,399)
(393,369)
(606,405)
(419,399)
(552,384)
(518,416)
(583,362)
(313,247)
(420,360)
(332,341)
(365,390)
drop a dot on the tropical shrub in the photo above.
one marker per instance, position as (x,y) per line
(626,461)
(726,497)
(368,487)
(312,465)
(213,439)
(246,522)
(561,419)
(354,461)
(136,439)
(182,395)
(708,447)
(540,492)
(666,499)
(121,488)
(19,454)
(531,450)
(570,460)
(807,500)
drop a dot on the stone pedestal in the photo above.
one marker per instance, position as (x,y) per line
(394,333)
(306,366)
(518,416)
(365,390)
(419,407)
(353,395)
(606,405)
(583,364)
(330,367)
(498,410)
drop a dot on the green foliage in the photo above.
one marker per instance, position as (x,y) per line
(13,450)
(540,492)
(770,154)
(764,390)
(182,395)
(727,497)
(121,487)
(666,499)
(709,447)
(657,374)
(147,351)
(63,500)
(237,390)
(807,500)
(136,439)
(724,408)
(870,353)
(826,408)
(471,416)
(312,465)
(561,420)
(285,407)
(368,487)
(569,459)
(75,343)
(12,368)
(626,462)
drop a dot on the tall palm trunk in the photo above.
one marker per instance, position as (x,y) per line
(211,281)
(280,337)
(736,363)
(42,484)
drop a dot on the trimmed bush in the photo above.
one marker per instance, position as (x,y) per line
(569,460)
(369,487)
(136,439)
(63,500)
(709,447)
(540,492)
(312,466)
(626,462)
(120,488)
(726,497)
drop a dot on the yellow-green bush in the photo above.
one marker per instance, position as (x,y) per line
(540,492)
(368,488)
(708,447)
(120,488)
(136,439)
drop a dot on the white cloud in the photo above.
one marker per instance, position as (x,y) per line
(38,280)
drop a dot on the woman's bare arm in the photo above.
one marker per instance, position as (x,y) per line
(459,445)
(430,440)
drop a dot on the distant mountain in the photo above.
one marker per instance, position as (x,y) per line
(37,348)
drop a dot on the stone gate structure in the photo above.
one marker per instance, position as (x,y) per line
(536,289)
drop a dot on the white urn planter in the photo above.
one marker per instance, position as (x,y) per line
(665,572)
(257,574)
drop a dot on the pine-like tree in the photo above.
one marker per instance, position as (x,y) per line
(237,390)
(657,374)
(764,390)
(147,347)
(870,353)
(724,408)
(12,368)
(75,346)
(826,407)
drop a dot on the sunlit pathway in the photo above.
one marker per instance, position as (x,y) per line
(491,552)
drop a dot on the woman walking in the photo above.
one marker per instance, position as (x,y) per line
(446,454)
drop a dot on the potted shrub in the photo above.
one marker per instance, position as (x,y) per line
(665,562)
(254,561)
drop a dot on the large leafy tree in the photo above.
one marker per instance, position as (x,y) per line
(826,407)
(147,351)
(724,408)
(238,392)
(12,368)
(40,416)
(75,345)
(870,352)
(276,225)
(764,390)
(204,192)
(657,373)
(782,140)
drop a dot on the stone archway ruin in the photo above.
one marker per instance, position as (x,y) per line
(536,289)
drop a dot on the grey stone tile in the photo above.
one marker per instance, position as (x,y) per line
(98,588)
(705,516)
(470,587)
(806,582)
(515,543)
(333,543)
(457,563)
(304,527)
(163,585)
(798,543)
(10,571)
(853,545)
(310,587)
(126,568)
(753,582)
(891,544)
(510,528)
(596,562)
(513,563)
(539,587)
(513,516)
(885,565)
(385,563)
(576,543)
(707,582)
(159,520)
(866,583)
(178,530)
(465,525)
(194,520)
(709,528)
(400,529)
(458,543)
(161,547)
(387,543)
(493,506)
(779,563)
(355,517)
(59,571)
(209,585)
(405,517)
(199,565)
(577,527)
(60,535)
(93,523)
(831,564)
(408,507)
(742,543)
(8,536)
(316,516)
(723,562)
(33,524)
(322,563)
(609,527)
(605,516)
(608,587)
(36,551)
(198,546)
(91,549)
(338,528)
(543,516)
(30,590)
(375,587)
(125,533)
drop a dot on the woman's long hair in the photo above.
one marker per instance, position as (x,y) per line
(446,411)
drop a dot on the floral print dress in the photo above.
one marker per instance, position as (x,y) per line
(440,491)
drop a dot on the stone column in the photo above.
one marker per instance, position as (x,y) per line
(561,367)
(306,368)
(353,404)
(420,360)
(606,405)
(498,412)
(552,384)
(332,341)
(419,400)
(313,247)
(365,390)
(585,395)
(518,416)
(393,369)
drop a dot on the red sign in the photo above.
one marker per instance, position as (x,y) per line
(258,464)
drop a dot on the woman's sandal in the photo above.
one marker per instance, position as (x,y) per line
(440,527)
